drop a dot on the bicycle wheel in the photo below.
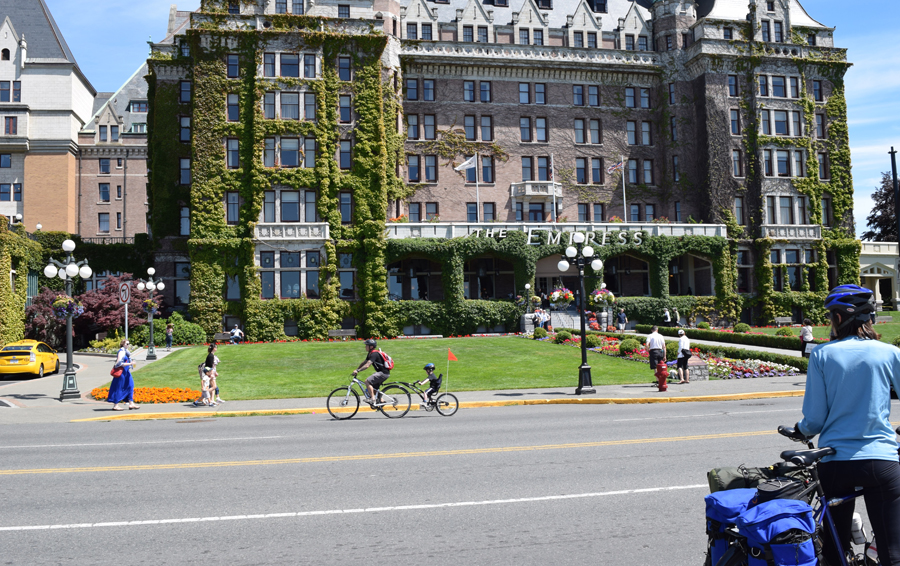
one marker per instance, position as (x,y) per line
(343,403)
(397,401)
(447,404)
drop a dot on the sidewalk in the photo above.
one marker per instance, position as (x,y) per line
(36,400)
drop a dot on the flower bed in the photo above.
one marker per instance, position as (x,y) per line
(726,368)
(153,394)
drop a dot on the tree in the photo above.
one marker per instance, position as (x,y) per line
(42,324)
(102,309)
(882,222)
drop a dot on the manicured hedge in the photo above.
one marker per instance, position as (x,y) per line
(728,352)
(767,340)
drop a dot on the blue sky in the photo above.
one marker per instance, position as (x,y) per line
(109,55)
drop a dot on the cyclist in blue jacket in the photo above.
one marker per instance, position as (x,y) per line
(848,404)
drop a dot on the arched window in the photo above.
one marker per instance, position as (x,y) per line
(5,55)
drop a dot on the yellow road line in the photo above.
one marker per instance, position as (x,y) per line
(467,405)
(360,457)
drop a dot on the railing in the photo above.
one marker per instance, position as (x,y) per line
(315,231)
(791,231)
(521,53)
(446,230)
(106,241)
(535,189)
(881,248)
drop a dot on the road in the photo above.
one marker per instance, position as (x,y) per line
(599,484)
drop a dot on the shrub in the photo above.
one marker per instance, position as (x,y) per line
(896,341)
(184,332)
(562,336)
(671,350)
(742,328)
(703,325)
(540,333)
(629,346)
(784,331)
(767,340)
(593,341)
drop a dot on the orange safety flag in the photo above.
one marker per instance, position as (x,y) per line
(450,356)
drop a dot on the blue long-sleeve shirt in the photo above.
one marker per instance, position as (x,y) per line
(848,398)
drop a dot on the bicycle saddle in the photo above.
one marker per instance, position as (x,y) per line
(806,457)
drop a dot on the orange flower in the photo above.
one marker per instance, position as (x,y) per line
(152,394)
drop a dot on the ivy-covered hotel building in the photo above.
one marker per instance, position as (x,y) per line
(304,155)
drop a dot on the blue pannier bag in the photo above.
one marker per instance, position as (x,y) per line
(722,508)
(780,533)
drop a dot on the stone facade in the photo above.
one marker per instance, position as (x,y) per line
(697,113)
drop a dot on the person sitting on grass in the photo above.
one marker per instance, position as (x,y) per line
(434,384)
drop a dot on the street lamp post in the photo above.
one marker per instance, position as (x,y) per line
(579,255)
(151,285)
(66,271)
(527,298)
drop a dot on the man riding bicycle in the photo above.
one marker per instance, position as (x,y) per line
(848,403)
(382,373)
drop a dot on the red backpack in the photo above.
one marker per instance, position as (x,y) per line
(388,361)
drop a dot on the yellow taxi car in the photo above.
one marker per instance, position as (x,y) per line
(28,356)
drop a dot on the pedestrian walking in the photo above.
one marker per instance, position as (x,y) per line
(656,347)
(677,316)
(169,331)
(621,320)
(667,317)
(684,354)
(806,337)
(122,387)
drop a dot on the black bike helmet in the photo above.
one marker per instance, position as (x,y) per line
(428,367)
(371,342)
(852,302)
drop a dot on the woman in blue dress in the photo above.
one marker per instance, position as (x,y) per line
(122,388)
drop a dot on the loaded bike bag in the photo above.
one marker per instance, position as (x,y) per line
(722,509)
(779,533)
(742,477)
(781,488)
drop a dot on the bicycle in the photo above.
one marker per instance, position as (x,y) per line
(446,403)
(738,551)
(392,400)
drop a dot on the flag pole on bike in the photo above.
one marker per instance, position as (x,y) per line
(450,358)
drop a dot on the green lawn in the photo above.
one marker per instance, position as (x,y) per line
(313,369)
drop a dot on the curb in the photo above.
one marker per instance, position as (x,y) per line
(468,405)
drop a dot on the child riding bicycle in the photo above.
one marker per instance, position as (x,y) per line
(434,384)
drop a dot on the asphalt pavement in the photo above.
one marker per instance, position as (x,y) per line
(37,400)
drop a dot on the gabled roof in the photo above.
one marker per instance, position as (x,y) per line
(800,17)
(135,88)
(34,22)
(32,19)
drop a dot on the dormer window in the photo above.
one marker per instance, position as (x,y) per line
(600,6)
(545,4)
(138,105)
(501,2)
(4,55)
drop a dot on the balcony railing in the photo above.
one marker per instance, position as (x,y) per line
(111,240)
(446,230)
(309,231)
(535,189)
(791,231)
(881,248)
